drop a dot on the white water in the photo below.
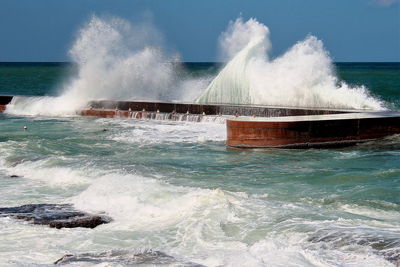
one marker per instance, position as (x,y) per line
(145,175)
(118,60)
(303,77)
(115,60)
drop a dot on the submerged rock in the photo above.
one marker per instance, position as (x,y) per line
(54,215)
(384,246)
(125,257)
(87,222)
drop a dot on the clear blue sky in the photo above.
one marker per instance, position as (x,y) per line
(352,30)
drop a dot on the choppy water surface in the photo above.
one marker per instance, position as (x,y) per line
(177,196)
(174,187)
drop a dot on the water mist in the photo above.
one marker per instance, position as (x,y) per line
(303,77)
(115,60)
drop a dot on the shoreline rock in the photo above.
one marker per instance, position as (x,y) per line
(54,215)
(126,257)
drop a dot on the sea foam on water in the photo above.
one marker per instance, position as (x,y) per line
(212,207)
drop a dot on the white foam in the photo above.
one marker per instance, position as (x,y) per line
(149,132)
(44,106)
(115,60)
(44,169)
(54,176)
(209,226)
(387,215)
(148,204)
(216,227)
(303,77)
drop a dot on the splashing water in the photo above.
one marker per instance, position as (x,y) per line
(119,61)
(303,77)
(115,60)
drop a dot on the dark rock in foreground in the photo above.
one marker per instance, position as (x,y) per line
(54,215)
(126,257)
(87,222)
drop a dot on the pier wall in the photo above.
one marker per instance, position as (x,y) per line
(306,134)
(108,108)
(4,101)
(259,126)
(108,113)
(183,108)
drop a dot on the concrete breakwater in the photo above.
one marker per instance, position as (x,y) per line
(203,109)
(190,111)
(260,126)
(310,131)
(110,108)
(4,101)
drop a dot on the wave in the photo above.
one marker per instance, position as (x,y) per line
(115,60)
(302,77)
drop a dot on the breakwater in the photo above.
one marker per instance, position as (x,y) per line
(259,126)
(4,101)
(205,109)
(332,130)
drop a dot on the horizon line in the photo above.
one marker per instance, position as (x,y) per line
(185,62)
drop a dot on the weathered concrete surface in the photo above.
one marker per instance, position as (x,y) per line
(4,101)
(107,113)
(212,109)
(54,215)
(311,131)
(108,108)
(102,113)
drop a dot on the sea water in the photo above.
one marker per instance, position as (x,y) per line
(175,187)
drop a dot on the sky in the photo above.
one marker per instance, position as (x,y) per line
(352,30)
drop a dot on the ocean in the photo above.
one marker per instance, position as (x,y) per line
(175,188)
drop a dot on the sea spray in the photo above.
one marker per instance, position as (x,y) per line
(114,60)
(241,35)
(120,61)
(303,77)
(242,41)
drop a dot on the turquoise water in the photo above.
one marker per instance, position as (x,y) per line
(175,187)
